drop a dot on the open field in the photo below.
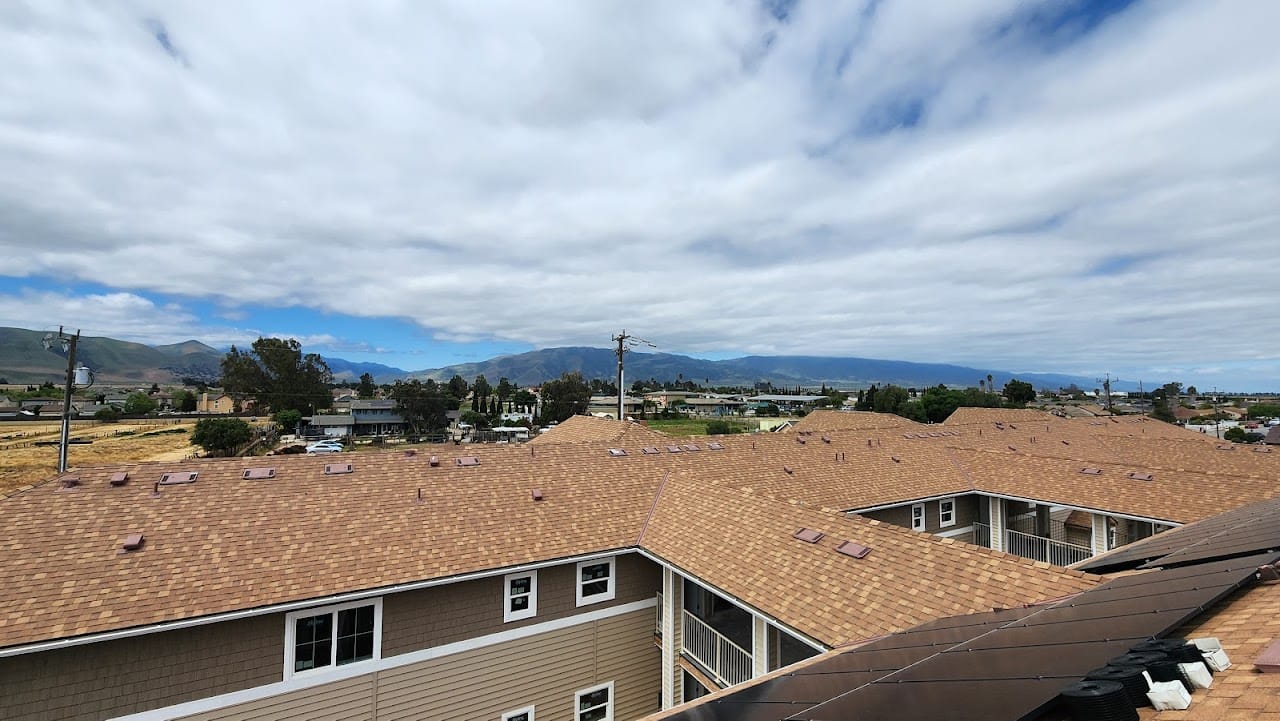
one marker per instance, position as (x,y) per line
(22,462)
(696,426)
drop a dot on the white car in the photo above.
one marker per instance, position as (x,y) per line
(324,447)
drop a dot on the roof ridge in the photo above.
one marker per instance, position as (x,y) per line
(653,508)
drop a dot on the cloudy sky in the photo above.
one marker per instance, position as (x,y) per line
(1069,186)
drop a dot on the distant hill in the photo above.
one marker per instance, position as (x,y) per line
(345,370)
(534,367)
(23,359)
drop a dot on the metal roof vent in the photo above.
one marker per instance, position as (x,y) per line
(617,452)
(787,470)
(650,451)
(434,461)
(908,435)
(178,478)
(467,461)
(896,459)
(1261,449)
(713,446)
(673,449)
(70,483)
(1013,448)
(132,542)
(1066,442)
(1013,426)
(119,478)
(826,440)
(808,535)
(1226,448)
(1091,471)
(256,474)
(935,435)
(800,439)
(691,447)
(337,469)
(537,494)
(854,550)
(1141,476)
(410,453)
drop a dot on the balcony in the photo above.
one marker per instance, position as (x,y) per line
(1038,548)
(725,661)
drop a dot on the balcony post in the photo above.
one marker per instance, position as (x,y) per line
(996,507)
(1099,538)
(759,646)
(672,629)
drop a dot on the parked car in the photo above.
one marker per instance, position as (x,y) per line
(324,447)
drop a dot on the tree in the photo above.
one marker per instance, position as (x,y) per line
(1191,391)
(139,404)
(107,415)
(184,400)
(1264,410)
(1234,434)
(278,376)
(504,391)
(890,399)
(524,401)
(422,405)
(221,436)
(480,391)
(457,388)
(565,397)
(472,418)
(367,389)
(288,418)
(1019,393)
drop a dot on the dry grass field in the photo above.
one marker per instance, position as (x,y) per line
(22,462)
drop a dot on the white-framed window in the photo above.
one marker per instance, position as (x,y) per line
(917,516)
(595,581)
(594,704)
(316,639)
(520,596)
(947,512)
(520,714)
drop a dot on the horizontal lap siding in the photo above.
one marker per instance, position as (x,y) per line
(543,671)
(139,673)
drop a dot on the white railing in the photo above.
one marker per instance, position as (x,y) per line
(982,535)
(727,663)
(1045,549)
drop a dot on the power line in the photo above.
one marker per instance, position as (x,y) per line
(625,343)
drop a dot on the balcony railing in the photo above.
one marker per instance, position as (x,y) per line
(1045,549)
(727,663)
(1035,547)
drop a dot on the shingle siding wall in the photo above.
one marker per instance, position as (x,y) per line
(101,680)
(455,612)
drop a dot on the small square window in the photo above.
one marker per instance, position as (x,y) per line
(595,581)
(917,516)
(520,714)
(594,704)
(520,596)
(947,512)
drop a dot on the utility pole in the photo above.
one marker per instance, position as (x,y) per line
(69,344)
(625,343)
(1106,388)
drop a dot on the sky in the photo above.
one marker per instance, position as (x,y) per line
(1058,186)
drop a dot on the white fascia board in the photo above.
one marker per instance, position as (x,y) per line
(1102,511)
(925,499)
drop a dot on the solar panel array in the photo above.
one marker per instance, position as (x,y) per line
(1002,666)
(1248,529)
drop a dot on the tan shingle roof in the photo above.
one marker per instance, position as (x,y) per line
(969,416)
(743,545)
(827,420)
(590,429)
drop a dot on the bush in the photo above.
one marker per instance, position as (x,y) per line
(221,435)
(107,415)
(721,428)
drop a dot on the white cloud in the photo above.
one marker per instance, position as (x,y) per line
(695,172)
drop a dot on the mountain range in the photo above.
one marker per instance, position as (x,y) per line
(23,359)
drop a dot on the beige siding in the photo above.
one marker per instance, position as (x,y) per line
(966,514)
(114,678)
(350,700)
(543,670)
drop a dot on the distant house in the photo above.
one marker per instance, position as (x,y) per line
(218,404)
(607,406)
(714,406)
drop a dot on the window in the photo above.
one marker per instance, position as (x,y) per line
(947,512)
(319,638)
(917,516)
(594,704)
(520,714)
(595,581)
(521,596)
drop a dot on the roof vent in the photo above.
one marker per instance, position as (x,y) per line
(713,446)
(1066,442)
(1141,476)
(1091,471)
(467,461)
(854,550)
(934,435)
(787,470)
(1013,448)
(650,451)
(178,478)
(119,478)
(908,435)
(536,494)
(132,542)
(896,459)
(70,482)
(1226,448)
(255,474)
(337,469)
(826,440)
(1013,426)
(616,452)
(435,461)
(673,449)
(691,447)
(1261,449)
(410,453)
(800,439)
(808,535)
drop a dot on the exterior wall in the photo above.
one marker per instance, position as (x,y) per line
(455,612)
(966,514)
(111,678)
(543,671)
